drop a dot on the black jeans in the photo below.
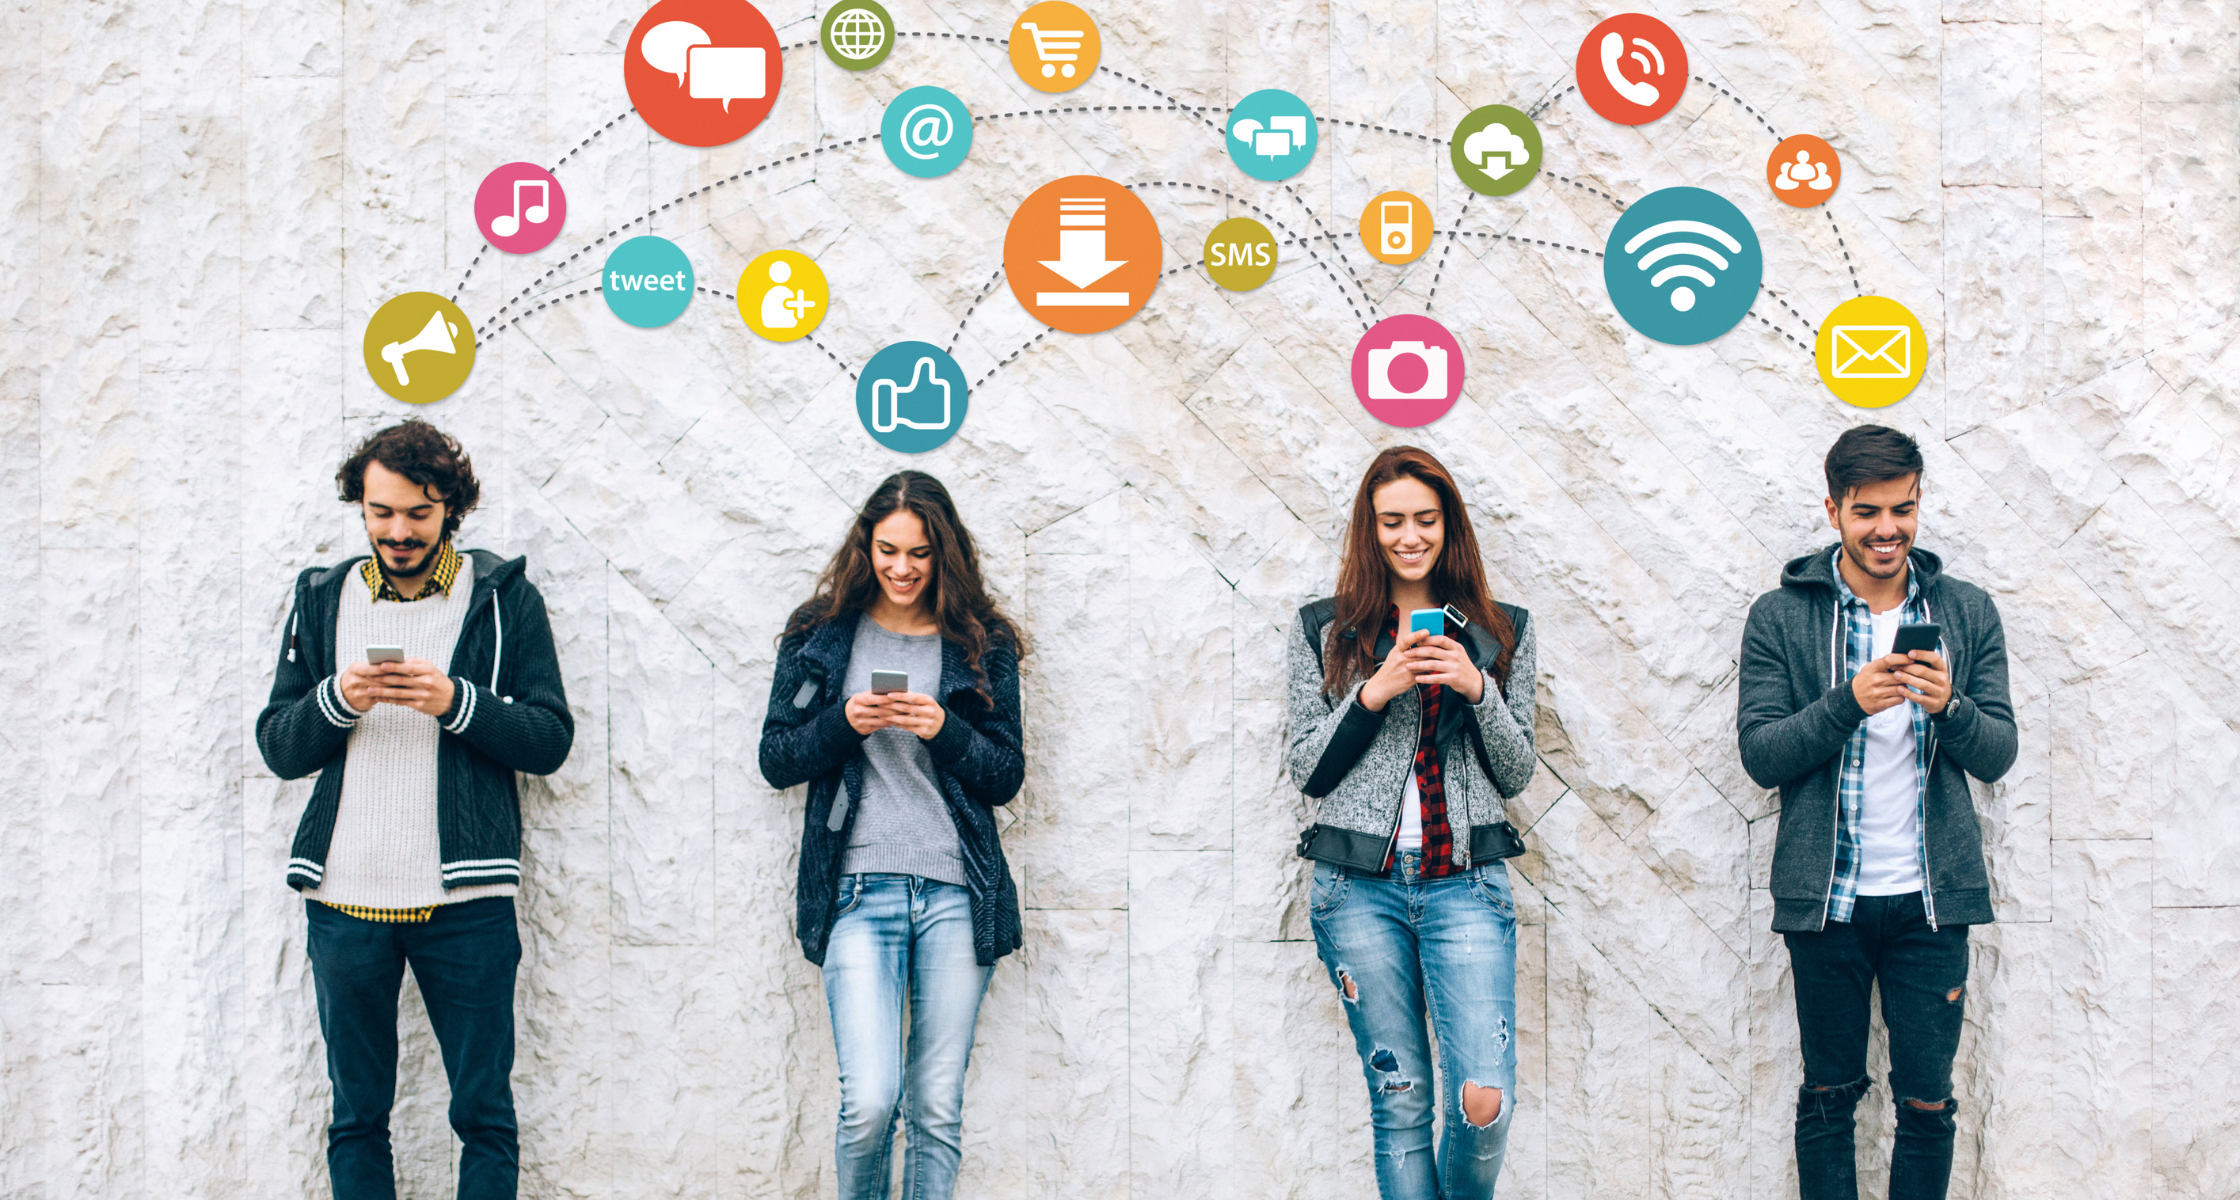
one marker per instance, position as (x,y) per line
(464,960)
(1923,974)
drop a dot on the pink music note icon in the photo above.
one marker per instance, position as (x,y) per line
(508,224)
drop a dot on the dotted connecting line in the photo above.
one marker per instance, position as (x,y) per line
(1590,190)
(1785,334)
(1801,318)
(984,290)
(1014,358)
(1445,250)
(542,305)
(462,284)
(594,135)
(1406,133)
(1848,265)
(1292,238)
(1722,90)
(1550,101)
(650,213)
(709,291)
(1358,285)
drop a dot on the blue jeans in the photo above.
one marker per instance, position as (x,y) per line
(464,961)
(1400,948)
(898,939)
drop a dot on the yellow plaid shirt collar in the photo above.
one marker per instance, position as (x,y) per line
(439,580)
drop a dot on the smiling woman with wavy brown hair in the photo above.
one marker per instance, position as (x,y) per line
(1411,695)
(960,603)
(896,699)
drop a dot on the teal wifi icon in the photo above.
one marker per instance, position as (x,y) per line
(1682,265)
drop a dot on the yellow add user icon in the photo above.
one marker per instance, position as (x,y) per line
(782,295)
(419,347)
(1871,351)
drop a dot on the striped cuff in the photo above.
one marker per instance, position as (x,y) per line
(307,871)
(332,706)
(462,706)
(481,870)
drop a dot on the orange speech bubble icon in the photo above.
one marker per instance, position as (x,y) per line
(1054,46)
(1396,228)
(1803,170)
(1082,254)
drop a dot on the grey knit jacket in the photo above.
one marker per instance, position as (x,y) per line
(1356,762)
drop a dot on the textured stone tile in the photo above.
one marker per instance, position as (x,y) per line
(1180,689)
(661,781)
(1991,81)
(2191,285)
(1182,1069)
(1301,1108)
(1078,1090)
(2193,1001)
(1993,312)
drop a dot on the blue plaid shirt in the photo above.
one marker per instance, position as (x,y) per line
(1858,651)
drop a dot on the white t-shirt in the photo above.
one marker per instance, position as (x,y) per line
(1411,814)
(1889,807)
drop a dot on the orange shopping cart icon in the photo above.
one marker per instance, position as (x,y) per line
(1054,46)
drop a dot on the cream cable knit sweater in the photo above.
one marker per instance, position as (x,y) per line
(386,853)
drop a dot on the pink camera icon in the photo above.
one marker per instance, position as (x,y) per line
(1434,385)
(1407,370)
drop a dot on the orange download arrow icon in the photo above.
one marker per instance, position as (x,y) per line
(1085,218)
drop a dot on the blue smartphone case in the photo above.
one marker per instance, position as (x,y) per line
(1433,619)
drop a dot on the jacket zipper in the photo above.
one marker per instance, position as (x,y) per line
(1835,831)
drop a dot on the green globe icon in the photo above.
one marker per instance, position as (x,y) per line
(856,34)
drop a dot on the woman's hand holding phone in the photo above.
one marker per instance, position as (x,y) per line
(867,712)
(917,712)
(1443,661)
(1394,675)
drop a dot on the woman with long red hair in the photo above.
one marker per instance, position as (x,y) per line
(1411,697)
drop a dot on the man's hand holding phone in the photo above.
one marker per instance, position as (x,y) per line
(416,684)
(1930,681)
(1878,685)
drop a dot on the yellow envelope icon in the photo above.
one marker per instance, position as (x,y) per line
(1872,352)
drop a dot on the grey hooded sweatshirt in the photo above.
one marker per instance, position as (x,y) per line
(1796,717)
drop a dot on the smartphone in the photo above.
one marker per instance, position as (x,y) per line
(883,682)
(1433,620)
(1916,637)
(384,654)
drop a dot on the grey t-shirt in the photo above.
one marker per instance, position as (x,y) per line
(904,826)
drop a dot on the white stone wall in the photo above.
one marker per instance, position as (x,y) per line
(206,200)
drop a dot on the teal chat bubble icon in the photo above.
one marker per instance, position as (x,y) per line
(911,397)
(647,281)
(1272,135)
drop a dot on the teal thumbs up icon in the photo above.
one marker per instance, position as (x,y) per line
(911,397)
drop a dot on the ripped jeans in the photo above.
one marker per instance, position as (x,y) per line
(1399,949)
(1923,976)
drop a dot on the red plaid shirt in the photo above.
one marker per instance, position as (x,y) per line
(1438,837)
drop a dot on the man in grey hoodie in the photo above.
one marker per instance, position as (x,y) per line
(1878,867)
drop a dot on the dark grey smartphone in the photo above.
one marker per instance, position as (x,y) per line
(883,682)
(1916,637)
(384,654)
